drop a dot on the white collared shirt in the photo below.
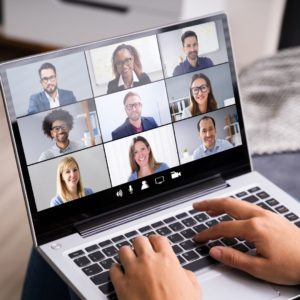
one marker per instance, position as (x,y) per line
(135,79)
(53,103)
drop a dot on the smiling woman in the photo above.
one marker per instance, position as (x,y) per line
(69,183)
(142,161)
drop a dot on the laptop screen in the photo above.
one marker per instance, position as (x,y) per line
(111,123)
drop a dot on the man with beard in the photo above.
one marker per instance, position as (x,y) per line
(193,62)
(135,123)
(57,125)
(51,96)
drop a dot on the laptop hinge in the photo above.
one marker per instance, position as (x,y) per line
(151,205)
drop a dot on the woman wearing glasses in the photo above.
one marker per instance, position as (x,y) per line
(68,182)
(127,69)
(202,99)
(142,161)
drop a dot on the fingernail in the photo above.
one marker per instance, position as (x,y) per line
(216,253)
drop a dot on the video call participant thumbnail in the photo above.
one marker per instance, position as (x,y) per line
(56,126)
(193,62)
(51,96)
(135,122)
(68,182)
(209,143)
(202,99)
(142,161)
(127,68)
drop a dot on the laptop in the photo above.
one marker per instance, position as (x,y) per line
(111,142)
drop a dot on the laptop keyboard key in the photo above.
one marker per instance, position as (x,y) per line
(225,218)
(96,256)
(200,263)
(265,206)
(169,220)
(163,231)
(214,244)
(281,209)
(272,202)
(76,253)
(200,227)
(263,195)
(157,224)
(106,264)
(81,261)
(211,223)
(110,251)
(118,238)
(105,243)
(241,194)
(107,288)
(177,249)
(92,269)
(176,226)
(291,217)
(189,222)
(91,248)
(175,238)
(145,229)
(188,245)
(188,233)
(101,278)
(201,217)
(229,241)
(240,247)
(202,250)
(131,234)
(181,259)
(251,199)
(123,243)
(190,255)
(182,215)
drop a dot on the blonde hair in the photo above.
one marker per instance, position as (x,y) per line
(153,164)
(62,189)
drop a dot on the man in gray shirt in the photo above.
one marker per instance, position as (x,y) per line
(57,125)
(210,144)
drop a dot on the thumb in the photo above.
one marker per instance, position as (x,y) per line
(236,259)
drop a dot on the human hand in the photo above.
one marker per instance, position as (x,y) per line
(277,240)
(152,271)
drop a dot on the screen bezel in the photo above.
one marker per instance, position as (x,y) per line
(58,221)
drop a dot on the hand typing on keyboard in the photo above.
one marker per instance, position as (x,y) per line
(277,240)
(152,271)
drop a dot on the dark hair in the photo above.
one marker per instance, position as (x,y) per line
(187,34)
(152,162)
(137,62)
(130,94)
(206,118)
(56,115)
(211,101)
(46,65)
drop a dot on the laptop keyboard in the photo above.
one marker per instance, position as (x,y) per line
(95,260)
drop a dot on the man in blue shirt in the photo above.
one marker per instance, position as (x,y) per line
(193,62)
(135,123)
(207,133)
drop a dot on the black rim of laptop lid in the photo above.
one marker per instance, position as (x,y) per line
(58,221)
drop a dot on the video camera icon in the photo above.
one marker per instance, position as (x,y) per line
(175,174)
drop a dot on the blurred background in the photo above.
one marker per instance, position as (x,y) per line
(259,29)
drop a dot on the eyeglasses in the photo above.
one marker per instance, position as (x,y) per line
(134,105)
(59,128)
(50,78)
(125,62)
(203,88)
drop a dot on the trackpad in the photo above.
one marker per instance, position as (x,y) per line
(224,283)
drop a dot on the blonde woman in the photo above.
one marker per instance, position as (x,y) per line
(68,182)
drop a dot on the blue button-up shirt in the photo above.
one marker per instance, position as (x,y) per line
(220,145)
(186,67)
